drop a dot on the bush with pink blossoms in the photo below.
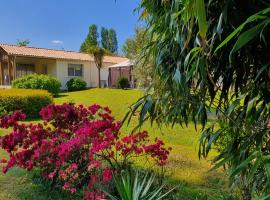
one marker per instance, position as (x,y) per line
(76,147)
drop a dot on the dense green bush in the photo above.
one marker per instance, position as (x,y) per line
(76,84)
(38,81)
(28,100)
(122,83)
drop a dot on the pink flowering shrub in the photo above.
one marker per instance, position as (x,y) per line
(75,146)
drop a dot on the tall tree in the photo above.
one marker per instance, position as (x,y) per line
(134,46)
(105,38)
(91,39)
(23,43)
(214,55)
(98,54)
(112,41)
(132,49)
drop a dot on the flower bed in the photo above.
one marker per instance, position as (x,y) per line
(76,147)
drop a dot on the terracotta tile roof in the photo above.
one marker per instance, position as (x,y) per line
(55,54)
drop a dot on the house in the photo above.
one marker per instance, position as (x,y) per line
(17,61)
(122,69)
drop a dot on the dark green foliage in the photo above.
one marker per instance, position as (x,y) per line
(113,43)
(29,101)
(104,38)
(122,82)
(91,39)
(109,40)
(23,43)
(214,55)
(76,84)
(38,81)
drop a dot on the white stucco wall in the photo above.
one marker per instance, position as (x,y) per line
(62,71)
(59,69)
(104,74)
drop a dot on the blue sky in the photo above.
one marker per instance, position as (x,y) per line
(64,23)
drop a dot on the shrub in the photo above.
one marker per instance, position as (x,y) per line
(137,186)
(122,83)
(76,84)
(27,100)
(76,147)
(38,81)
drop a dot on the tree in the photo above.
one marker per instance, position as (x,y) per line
(108,40)
(113,43)
(91,39)
(105,38)
(214,55)
(98,54)
(23,43)
(133,48)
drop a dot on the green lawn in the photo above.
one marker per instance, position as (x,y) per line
(185,170)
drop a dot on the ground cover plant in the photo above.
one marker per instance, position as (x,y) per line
(77,148)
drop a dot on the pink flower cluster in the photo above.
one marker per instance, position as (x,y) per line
(75,146)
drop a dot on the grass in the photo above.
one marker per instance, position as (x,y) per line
(185,170)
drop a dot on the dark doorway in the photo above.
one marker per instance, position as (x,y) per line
(5,76)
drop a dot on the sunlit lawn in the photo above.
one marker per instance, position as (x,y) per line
(185,170)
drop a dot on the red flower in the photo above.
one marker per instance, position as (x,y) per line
(74,143)
(107,175)
(51,175)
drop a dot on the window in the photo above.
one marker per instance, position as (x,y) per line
(24,69)
(75,70)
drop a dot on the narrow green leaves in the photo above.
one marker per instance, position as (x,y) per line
(248,35)
(201,17)
(257,16)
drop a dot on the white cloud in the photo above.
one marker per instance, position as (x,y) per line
(57,42)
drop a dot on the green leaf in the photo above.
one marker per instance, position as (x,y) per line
(252,18)
(251,106)
(219,26)
(248,35)
(267,170)
(264,197)
(201,17)
(147,105)
(244,164)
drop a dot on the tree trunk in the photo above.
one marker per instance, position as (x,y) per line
(99,84)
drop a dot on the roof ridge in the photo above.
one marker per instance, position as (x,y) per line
(42,48)
(68,51)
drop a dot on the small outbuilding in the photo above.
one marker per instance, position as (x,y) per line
(122,69)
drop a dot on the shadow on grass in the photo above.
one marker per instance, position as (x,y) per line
(60,96)
(18,184)
(22,185)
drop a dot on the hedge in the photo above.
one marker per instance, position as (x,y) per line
(28,101)
(122,82)
(76,84)
(38,81)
